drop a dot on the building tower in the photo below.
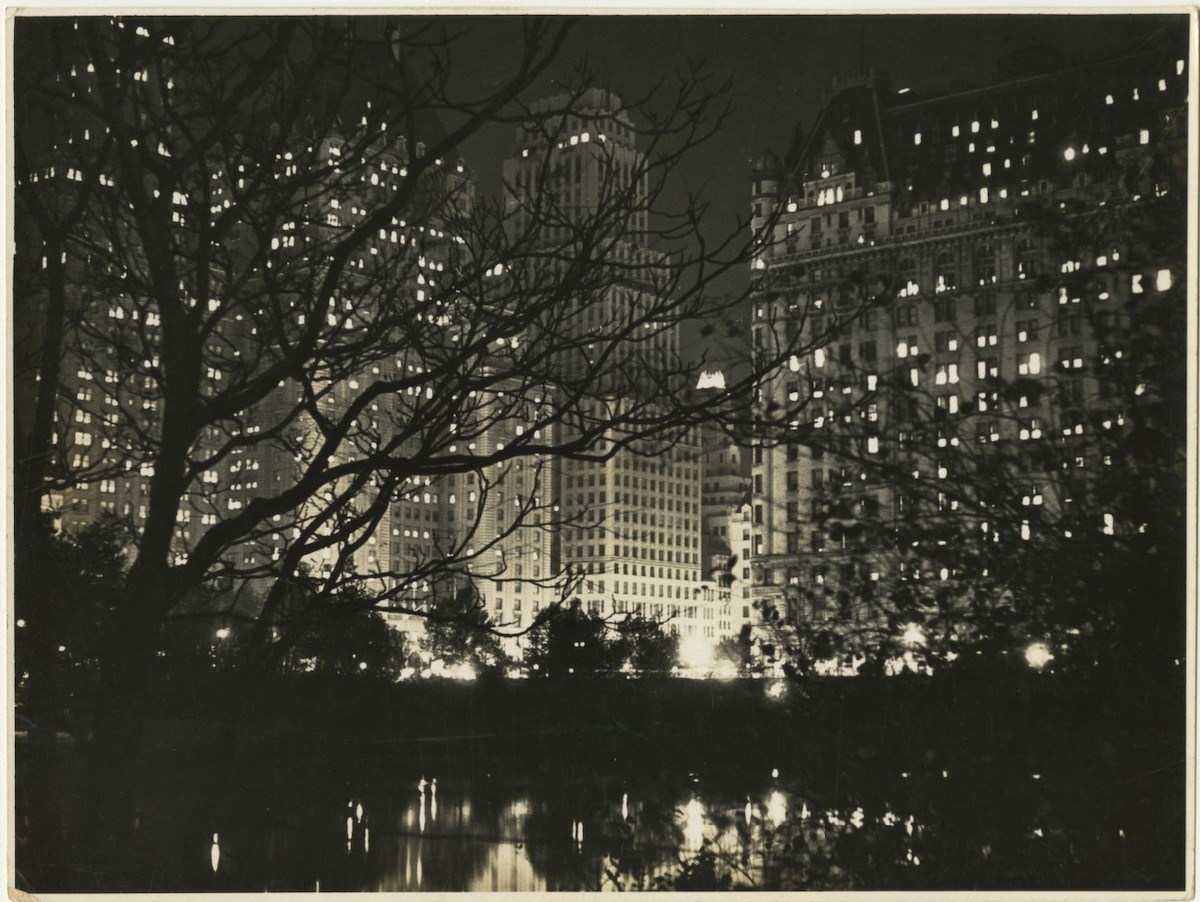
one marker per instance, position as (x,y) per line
(632,521)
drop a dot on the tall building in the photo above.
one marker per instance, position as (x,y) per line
(632,521)
(918,254)
(330,171)
(724,490)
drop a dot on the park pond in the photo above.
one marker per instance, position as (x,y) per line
(522,786)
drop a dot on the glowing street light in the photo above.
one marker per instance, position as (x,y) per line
(776,808)
(1038,655)
(696,653)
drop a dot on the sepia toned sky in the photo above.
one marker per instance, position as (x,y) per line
(779,68)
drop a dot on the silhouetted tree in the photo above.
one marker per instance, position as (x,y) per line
(255,280)
(359,645)
(571,642)
(644,647)
(459,632)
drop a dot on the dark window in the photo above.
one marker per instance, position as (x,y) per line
(985,265)
(985,304)
(943,310)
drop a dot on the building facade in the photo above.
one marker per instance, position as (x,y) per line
(631,513)
(955,268)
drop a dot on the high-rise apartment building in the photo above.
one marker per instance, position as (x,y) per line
(919,254)
(632,521)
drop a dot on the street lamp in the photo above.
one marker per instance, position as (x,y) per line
(1038,655)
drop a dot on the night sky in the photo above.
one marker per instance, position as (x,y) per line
(780,67)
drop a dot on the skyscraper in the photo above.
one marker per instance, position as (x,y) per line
(631,513)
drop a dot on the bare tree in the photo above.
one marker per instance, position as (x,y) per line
(271,310)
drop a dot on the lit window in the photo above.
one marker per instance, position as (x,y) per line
(1162,281)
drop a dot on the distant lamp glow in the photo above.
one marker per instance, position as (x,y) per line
(725,671)
(1038,655)
(913,635)
(223,633)
(777,689)
(776,808)
(694,824)
(696,652)
(464,672)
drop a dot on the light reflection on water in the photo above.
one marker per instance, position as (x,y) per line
(517,840)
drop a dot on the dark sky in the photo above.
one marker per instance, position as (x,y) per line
(780,67)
